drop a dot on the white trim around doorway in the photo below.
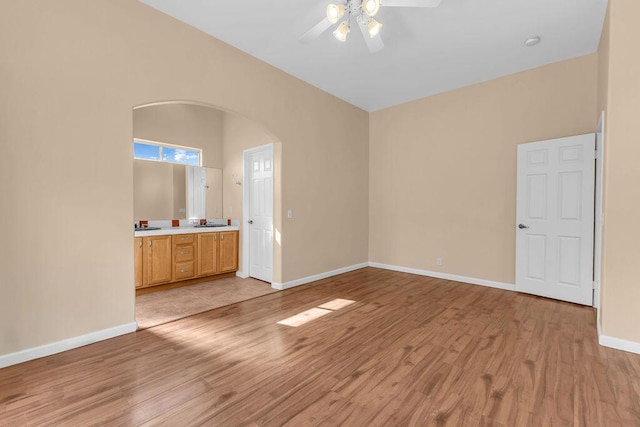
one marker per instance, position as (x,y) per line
(244,273)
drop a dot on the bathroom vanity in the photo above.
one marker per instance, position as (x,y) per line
(182,255)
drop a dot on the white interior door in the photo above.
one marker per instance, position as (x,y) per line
(260,221)
(555,208)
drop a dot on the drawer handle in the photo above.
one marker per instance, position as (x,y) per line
(184,271)
(184,253)
(184,238)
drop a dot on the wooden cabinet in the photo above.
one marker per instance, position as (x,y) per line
(173,258)
(137,256)
(156,254)
(184,256)
(217,252)
(208,252)
(152,257)
(228,251)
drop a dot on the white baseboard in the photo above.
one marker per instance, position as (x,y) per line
(64,345)
(309,279)
(456,278)
(242,274)
(617,343)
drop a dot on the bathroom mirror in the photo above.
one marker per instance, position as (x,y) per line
(204,193)
(160,192)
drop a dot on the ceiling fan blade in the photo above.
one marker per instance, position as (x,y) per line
(315,31)
(373,44)
(410,3)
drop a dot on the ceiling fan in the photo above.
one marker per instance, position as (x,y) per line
(363,12)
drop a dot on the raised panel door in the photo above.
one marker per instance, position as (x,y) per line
(555,211)
(157,257)
(260,226)
(228,251)
(207,254)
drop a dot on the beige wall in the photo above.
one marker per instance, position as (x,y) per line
(603,66)
(443,168)
(188,125)
(620,297)
(71,72)
(603,99)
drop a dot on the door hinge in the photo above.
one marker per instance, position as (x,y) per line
(595,154)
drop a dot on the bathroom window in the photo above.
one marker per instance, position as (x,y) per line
(159,152)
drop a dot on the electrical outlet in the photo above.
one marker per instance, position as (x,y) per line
(289,214)
(438,261)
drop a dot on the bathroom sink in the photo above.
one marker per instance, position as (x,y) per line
(147,228)
(210,225)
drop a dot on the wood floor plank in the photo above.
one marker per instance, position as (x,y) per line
(410,350)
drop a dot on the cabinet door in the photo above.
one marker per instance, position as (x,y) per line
(207,254)
(228,251)
(137,256)
(157,259)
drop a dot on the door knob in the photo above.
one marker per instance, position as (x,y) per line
(250,221)
(521,226)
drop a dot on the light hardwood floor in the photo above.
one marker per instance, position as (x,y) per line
(411,350)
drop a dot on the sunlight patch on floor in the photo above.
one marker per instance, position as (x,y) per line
(316,312)
(336,304)
(304,317)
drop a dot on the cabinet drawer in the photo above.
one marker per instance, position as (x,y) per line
(179,239)
(184,252)
(184,270)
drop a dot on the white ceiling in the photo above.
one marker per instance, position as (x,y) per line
(427,51)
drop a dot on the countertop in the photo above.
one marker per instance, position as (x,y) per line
(184,230)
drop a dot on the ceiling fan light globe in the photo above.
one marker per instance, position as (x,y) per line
(532,41)
(334,12)
(341,32)
(371,7)
(374,28)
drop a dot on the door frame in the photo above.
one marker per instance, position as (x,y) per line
(244,273)
(599,212)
